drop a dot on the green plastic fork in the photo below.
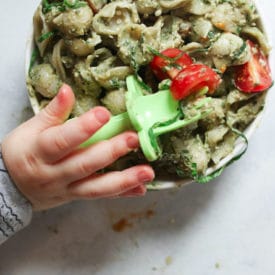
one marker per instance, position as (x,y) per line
(150,116)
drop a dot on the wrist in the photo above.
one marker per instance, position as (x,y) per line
(16,211)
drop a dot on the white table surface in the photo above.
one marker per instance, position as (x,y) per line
(225,227)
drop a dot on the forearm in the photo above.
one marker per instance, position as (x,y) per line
(15,210)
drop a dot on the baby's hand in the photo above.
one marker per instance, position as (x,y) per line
(44,161)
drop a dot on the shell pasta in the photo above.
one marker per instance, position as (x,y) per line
(94,45)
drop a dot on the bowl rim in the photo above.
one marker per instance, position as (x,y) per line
(158,184)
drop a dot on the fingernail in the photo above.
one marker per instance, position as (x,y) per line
(101,115)
(144,177)
(132,142)
(61,96)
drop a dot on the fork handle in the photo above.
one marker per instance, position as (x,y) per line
(116,125)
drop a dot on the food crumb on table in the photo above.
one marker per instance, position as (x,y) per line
(128,221)
(121,225)
(53,229)
(168,260)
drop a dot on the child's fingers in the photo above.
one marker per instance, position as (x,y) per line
(57,142)
(58,110)
(86,162)
(111,184)
(137,191)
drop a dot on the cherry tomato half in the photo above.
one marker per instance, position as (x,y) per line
(169,63)
(255,75)
(192,79)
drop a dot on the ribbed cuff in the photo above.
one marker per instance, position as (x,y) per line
(15,209)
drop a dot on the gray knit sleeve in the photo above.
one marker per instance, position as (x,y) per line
(15,210)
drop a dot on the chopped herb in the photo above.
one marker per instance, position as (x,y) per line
(34,57)
(238,52)
(152,136)
(165,84)
(170,59)
(46,36)
(62,6)
(117,83)
(204,179)
(199,50)
(171,66)
(211,35)
(142,84)
(133,61)
(154,142)
(75,4)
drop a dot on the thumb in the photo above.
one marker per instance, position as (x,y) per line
(58,110)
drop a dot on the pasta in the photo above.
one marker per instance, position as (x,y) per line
(74,22)
(110,19)
(45,80)
(94,45)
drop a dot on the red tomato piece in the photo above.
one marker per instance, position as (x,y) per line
(169,63)
(192,79)
(255,75)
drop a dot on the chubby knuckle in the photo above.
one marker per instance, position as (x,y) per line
(61,142)
(86,126)
(48,115)
(44,177)
(115,153)
(29,164)
(125,184)
(58,198)
(84,130)
(45,184)
(84,168)
(31,161)
(42,142)
(117,150)
(93,194)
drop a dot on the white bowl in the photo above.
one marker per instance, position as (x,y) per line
(160,184)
